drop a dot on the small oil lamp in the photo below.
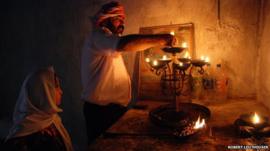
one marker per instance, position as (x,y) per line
(255,119)
(256,125)
(165,59)
(198,62)
(158,64)
(182,65)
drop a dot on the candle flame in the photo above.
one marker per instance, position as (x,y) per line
(256,118)
(207,59)
(184,44)
(187,55)
(202,58)
(199,123)
(164,57)
(172,33)
(155,62)
(180,64)
(147,60)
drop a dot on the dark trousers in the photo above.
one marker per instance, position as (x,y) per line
(99,118)
(48,139)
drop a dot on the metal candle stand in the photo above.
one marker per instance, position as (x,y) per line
(174,75)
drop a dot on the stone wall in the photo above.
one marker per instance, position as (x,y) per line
(227,34)
(264,55)
(225,30)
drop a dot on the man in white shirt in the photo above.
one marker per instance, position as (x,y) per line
(106,83)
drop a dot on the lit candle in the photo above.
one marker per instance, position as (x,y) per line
(184,45)
(256,118)
(155,63)
(202,58)
(147,60)
(164,57)
(172,33)
(187,55)
(207,59)
(181,64)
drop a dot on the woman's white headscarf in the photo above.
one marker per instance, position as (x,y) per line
(36,108)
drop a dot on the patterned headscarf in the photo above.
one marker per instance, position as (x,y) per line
(108,10)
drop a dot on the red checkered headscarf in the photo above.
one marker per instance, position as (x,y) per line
(111,9)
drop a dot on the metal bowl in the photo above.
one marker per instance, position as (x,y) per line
(184,60)
(198,63)
(181,123)
(184,67)
(166,115)
(173,49)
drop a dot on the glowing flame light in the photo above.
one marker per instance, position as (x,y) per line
(184,45)
(256,118)
(155,63)
(172,33)
(199,123)
(187,55)
(147,60)
(207,59)
(164,57)
(202,57)
(180,64)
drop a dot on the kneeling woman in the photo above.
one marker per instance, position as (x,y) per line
(36,123)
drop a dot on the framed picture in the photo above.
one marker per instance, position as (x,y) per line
(149,87)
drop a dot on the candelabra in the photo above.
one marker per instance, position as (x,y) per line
(175,71)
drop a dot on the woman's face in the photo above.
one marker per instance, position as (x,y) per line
(58,91)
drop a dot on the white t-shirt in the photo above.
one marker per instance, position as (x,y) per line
(104,76)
